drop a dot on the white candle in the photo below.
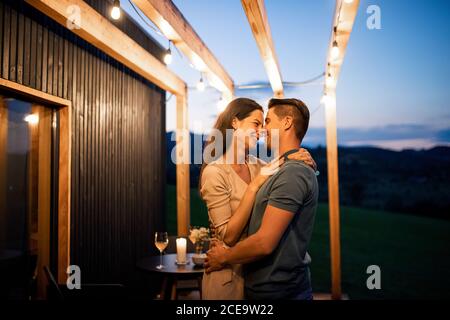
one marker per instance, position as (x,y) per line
(181,250)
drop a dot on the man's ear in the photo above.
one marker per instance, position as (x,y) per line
(287,122)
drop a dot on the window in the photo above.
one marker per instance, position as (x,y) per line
(25,195)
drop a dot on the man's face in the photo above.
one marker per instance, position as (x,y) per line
(273,127)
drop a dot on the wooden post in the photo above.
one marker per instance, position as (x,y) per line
(343,20)
(41,181)
(3,170)
(65,145)
(183,159)
(333,195)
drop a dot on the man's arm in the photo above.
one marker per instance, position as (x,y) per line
(258,245)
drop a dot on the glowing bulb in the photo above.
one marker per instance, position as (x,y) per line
(328,100)
(221,105)
(168,57)
(348,1)
(325,100)
(115,12)
(335,51)
(329,81)
(31,119)
(201,85)
(198,63)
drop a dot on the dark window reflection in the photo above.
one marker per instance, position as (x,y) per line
(22,130)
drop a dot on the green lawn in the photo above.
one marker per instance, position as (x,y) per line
(412,252)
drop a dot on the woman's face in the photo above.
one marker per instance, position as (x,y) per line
(248,129)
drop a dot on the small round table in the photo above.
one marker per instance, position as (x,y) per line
(172,273)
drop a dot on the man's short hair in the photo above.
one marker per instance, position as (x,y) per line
(295,108)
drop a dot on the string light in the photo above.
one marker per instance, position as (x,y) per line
(329,80)
(335,49)
(115,12)
(221,105)
(201,84)
(326,99)
(168,55)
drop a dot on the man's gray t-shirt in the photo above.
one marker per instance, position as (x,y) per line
(284,273)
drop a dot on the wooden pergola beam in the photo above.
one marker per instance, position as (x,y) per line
(346,13)
(344,17)
(166,16)
(97,30)
(259,23)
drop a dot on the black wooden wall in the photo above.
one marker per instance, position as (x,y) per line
(118,136)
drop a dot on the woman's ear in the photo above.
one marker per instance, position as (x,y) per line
(234,123)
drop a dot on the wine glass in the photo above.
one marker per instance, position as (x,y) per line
(161,242)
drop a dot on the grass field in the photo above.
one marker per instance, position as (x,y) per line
(412,252)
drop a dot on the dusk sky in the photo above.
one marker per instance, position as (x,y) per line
(393,89)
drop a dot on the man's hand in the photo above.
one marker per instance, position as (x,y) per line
(215,259)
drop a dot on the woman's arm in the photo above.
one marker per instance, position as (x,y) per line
(240,216)
(215,192)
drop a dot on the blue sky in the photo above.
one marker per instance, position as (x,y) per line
(393,89)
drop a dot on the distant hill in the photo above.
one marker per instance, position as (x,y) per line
(409,181)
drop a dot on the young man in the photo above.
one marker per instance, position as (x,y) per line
(275,253)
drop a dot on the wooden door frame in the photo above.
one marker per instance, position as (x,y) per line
(64,166)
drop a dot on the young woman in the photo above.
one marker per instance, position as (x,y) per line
(228,187)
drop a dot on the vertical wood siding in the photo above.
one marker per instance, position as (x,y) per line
(118,136)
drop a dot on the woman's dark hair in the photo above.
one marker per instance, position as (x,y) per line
(239,108)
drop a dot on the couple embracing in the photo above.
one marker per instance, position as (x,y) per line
(262,214)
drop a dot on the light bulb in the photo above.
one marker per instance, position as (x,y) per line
(31,119)
(115,12)
(327,100)
(348,1)
(201,85)
(168,57)
(221,105)
(335,51)
(329,81)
